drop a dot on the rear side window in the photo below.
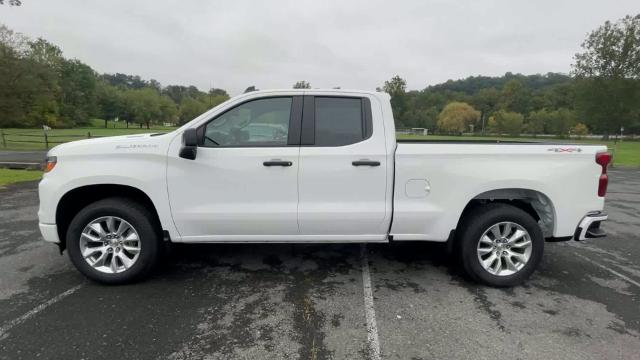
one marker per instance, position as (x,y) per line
(338,121)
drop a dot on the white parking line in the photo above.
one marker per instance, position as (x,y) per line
(369,310)
(623,277)
(4,329)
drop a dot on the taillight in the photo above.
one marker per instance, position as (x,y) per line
(603,159)
(50,163)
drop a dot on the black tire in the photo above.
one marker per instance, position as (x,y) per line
(135,214)
(473,226)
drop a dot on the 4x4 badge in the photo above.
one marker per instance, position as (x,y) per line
(569,150)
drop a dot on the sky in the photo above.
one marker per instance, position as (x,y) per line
(351,44)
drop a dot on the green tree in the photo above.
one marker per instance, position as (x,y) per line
(561,121)
(144,106)
(456,116)
(537,121)
(110,101)
(78,98)
(396,88)
(515,96)
(190,109)
(580,130)
(608,75)
(486,100)
(506,122)
(28,88)
(302,85)
(168,110)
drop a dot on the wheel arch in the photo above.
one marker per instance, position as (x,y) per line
(78,198)
(534,202)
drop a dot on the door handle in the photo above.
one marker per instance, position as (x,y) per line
(277,163)
(365,163)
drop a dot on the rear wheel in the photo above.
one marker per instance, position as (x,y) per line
(500,245)
(113,241)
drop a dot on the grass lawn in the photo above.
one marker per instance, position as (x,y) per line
(626,153)
(9,176)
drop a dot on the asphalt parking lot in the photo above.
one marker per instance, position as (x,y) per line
(322,301)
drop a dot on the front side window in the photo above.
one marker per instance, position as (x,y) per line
(338,121)
(261,122)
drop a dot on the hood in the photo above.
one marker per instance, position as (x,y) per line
(146,143)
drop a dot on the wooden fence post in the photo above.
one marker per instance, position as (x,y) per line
(46,141)
(4,141)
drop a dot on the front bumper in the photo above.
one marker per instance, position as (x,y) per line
(49,232)
(589,227)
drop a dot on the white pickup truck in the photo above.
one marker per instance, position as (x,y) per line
(316,166)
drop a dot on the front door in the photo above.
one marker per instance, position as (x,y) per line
(242,186)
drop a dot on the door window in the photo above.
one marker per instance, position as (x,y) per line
(261,122)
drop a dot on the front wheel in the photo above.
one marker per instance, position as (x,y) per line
(500,245)
(113,241)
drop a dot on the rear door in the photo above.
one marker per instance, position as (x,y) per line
(343,170)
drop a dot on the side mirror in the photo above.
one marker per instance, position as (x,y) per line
(189,147)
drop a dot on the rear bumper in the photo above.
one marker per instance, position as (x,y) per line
(589,227)
(49,232)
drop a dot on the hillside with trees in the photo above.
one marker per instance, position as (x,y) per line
(39,86)
(601,95)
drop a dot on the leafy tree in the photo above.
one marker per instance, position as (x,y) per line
(28,88)
(537,121)
(178,92)
(144,105)
(250,89)
(396,88)
(110,101)
(456,116)
(218,92)
(561,121)
(506,122)
(486,100)
(515,96)
(190,109)
(608,75)
(124,81)
(12,2)
(302,85)
(580,130)
(78,84)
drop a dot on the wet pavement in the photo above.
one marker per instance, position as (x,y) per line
(308,301)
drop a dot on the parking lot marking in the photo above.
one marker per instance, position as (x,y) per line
(370,312)
(4,329)
(623,277)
